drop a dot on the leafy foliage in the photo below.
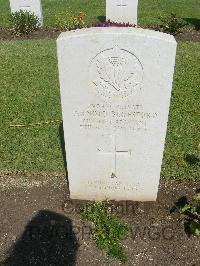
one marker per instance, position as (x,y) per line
(109,23)
(191,212)
(107,229)
(171,24)
(23,22)
(69,20)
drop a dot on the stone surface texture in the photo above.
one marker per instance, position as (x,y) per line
(115,92)
(122,11)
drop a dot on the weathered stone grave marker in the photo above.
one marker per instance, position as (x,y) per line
(115,91)
(122,11)
(33,6)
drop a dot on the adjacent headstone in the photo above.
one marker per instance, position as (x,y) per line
(115,91)
(122,11)
(33,6)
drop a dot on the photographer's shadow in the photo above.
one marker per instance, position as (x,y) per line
(47,240)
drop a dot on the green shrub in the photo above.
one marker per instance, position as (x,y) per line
(23,22)
(107,229)
(171,24)
(191,213)
(69,20)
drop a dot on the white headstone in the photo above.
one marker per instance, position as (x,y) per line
(122,11)
(33,6)
(115,91)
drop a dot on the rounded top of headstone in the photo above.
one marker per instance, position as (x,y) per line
(117,30)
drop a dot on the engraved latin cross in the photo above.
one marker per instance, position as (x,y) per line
(114,152)
(122,3)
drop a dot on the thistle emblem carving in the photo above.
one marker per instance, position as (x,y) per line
(117,73)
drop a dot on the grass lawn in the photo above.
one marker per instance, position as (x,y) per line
(149,10)
(29,92)
(183,138)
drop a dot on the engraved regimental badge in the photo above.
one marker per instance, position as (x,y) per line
(116,73)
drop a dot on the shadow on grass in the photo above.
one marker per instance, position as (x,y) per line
(62,143)
(191,159)
(48,239)
(102,18)
(193,21)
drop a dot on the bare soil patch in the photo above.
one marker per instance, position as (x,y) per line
(41,34)
(39,225)
(48,33)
